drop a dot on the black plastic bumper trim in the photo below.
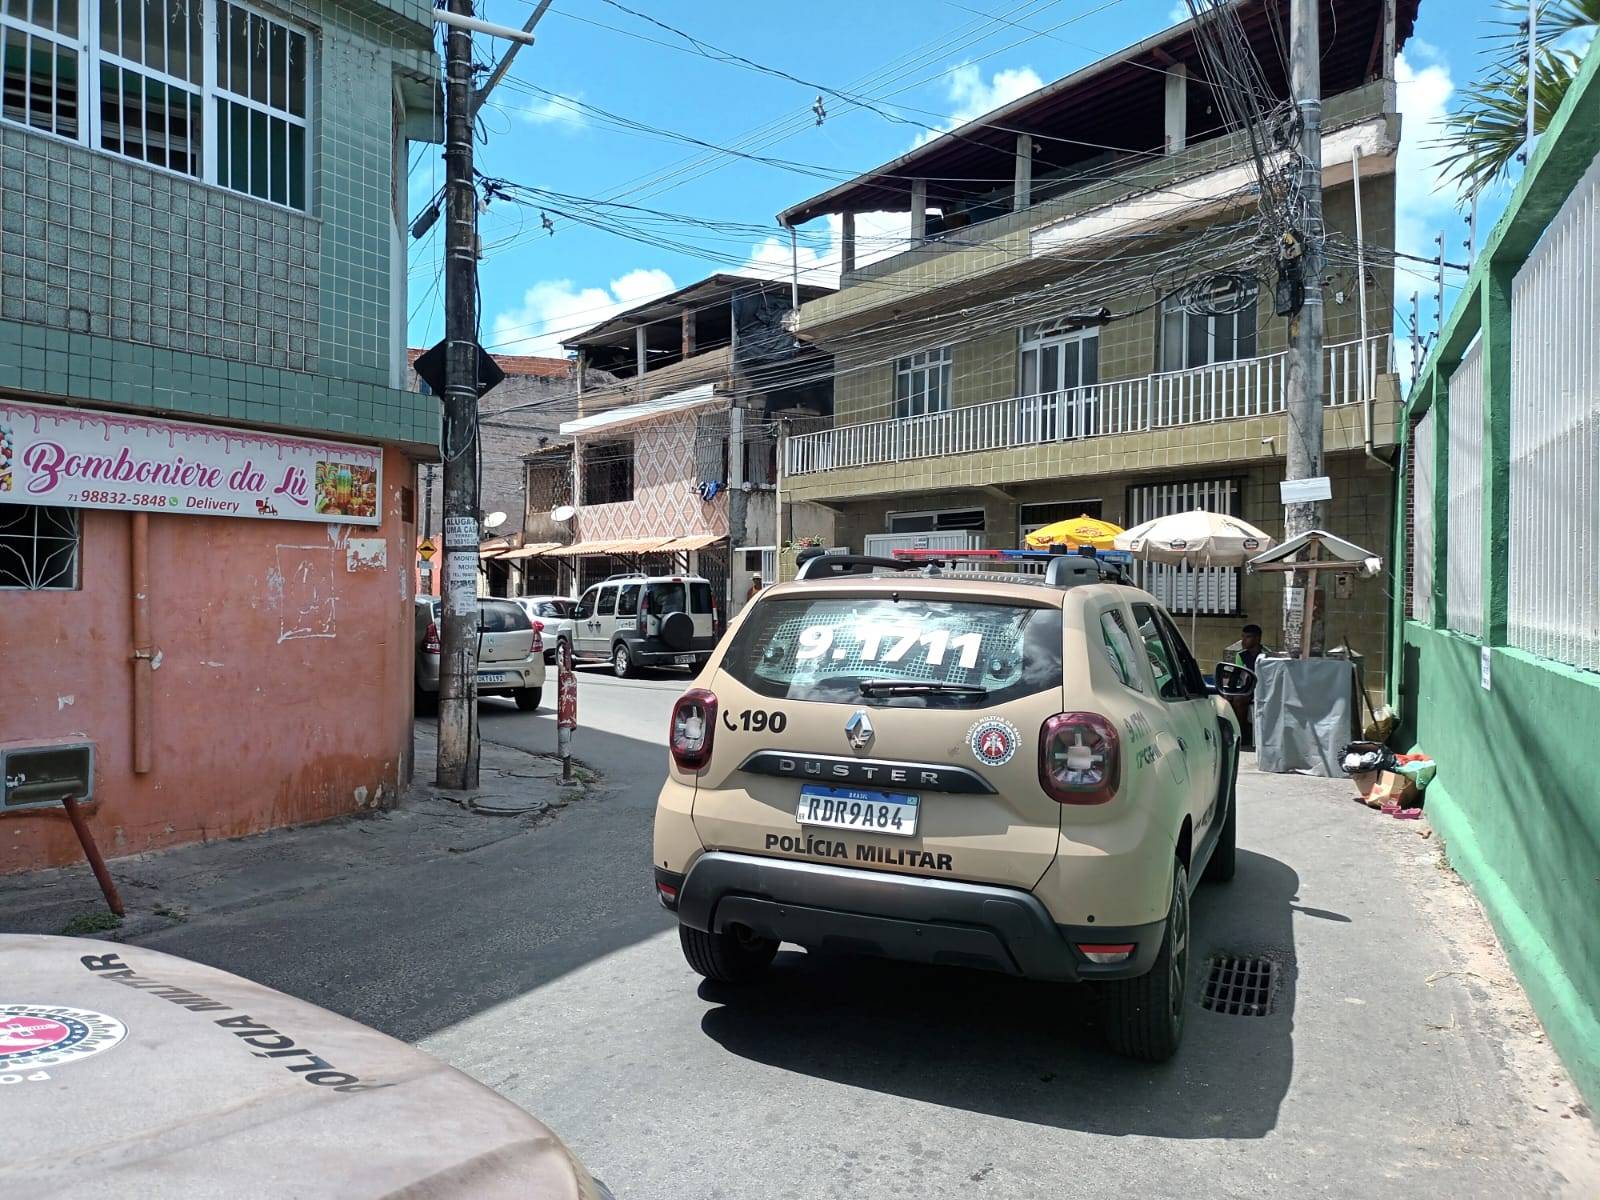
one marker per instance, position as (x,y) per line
(902,917)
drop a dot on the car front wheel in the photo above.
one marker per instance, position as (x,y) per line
(1144,1016)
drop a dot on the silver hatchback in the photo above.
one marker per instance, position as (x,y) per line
(510,653)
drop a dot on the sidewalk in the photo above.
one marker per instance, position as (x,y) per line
(518,790)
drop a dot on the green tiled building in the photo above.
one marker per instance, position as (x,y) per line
(207,452)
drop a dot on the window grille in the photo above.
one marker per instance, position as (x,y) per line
(39,548)
(210,89)
(1423,450)
(1183,589)
(1553,599)
(1464,472)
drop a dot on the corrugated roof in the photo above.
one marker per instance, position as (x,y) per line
(614,418)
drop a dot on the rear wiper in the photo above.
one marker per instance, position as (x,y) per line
(906,687)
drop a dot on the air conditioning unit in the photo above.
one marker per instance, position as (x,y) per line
(37,776)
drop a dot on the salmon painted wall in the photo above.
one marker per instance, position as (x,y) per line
(283,693)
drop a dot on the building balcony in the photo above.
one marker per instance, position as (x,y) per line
(1253,388)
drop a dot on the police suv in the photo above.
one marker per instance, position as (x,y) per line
(913,758)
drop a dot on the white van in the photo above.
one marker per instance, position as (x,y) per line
(646,620)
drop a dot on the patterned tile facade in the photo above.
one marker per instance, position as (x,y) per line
(669,455)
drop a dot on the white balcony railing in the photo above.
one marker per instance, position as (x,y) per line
(1251,387)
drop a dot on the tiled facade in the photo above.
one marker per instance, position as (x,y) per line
(127,284)
(669,454)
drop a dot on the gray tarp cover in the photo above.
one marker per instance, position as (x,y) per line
(147,1075)
(1305,713)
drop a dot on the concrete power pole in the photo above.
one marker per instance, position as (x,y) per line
(458,658)
(1304,399)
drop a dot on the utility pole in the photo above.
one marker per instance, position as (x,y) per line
(1304,399)
(458,657)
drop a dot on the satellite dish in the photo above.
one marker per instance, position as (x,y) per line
(563,513)
(494,520)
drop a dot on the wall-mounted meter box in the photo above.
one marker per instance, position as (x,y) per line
(37,776)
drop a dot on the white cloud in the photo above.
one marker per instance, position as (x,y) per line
(555,308)
(1178,13)
(878,235)
(1424,201)
(972,96)
(560,111)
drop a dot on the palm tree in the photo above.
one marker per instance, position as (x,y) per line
(1488,127)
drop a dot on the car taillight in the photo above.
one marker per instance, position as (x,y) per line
(430,638)
(538,635)
(694,722)
(1079,758)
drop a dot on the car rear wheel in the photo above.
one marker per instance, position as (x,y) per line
(621,661)
(528,698)
(426,703)
(1144,1016)
(734,956)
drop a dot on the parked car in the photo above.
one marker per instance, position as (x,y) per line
(646,620)
(145,1074)
(1026,774)
(552,616)
(510,653)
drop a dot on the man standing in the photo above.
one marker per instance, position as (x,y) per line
(1245,653)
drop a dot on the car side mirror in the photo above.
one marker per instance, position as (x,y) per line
(1234,679)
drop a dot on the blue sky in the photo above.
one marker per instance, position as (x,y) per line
(929,62)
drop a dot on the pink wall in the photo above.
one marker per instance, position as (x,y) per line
(664,502)
(284,685)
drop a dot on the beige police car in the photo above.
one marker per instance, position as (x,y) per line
(1026,774)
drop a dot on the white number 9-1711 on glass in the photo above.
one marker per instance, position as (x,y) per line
(891,644)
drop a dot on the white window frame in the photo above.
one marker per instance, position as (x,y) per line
(912,395)
(935,514)
(91,56)
(62,41)
(1171,307)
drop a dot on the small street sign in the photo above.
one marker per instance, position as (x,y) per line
(425,551)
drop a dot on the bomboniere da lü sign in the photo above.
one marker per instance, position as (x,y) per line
(77,458)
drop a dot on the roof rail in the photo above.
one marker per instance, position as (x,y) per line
(821,566)
(624,575)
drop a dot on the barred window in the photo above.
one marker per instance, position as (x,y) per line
(1183,589)
(210,89)
(38,548)
(39,56)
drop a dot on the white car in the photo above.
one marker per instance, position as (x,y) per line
(552,616)
(510,653)
(636,620)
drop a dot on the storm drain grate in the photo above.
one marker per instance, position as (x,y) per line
(1240,987)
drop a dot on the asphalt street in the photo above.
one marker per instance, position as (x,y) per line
(1400,1060)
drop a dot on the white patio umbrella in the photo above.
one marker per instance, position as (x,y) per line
(1195,538)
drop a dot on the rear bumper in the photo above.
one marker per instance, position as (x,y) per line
(524,673)
(901,917)
(654,650)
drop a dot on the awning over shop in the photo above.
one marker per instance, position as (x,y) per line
(611,546)
(613,418)
(693,541)
(532,550)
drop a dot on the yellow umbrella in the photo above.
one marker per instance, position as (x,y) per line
(1075,531)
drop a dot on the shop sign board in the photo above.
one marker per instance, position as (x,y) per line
(80,458)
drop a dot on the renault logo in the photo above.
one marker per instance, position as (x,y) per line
(858,730)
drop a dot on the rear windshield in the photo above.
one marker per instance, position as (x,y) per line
(554,608)
(502,616)
(823,648)
(665,597)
